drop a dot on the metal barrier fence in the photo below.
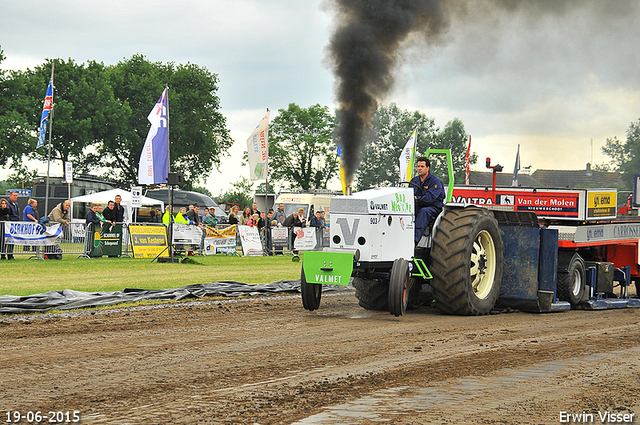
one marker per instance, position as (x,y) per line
(77,239)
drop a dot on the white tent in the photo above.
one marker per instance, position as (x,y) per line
(109,195)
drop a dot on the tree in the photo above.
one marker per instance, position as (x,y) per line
(625,157)
(240,193)
(302,154)
(391,130)
(198,136)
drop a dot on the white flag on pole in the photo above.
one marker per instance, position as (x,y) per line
(258,149)
(407,158)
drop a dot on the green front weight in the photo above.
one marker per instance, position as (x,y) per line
(333,268)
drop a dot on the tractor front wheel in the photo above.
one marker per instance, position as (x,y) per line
(399,287)
(311,293)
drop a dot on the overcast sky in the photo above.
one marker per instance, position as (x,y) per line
(550,75)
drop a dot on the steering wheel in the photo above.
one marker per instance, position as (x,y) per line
(420,188)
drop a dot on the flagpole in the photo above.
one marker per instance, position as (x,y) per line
(168,144)
(413,156)
(46,195)
(266,173)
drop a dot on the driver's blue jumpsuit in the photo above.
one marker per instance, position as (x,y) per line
(429,202)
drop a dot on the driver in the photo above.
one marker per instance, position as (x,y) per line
(429,196)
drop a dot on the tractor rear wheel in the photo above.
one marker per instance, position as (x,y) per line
(467,261)
(571,277)
(311,293)
(371,294)
(399,287)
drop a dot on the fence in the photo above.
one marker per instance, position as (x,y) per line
(88,241)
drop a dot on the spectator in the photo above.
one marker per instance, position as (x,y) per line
(30,212)
(254,209)
(290,222)
(119,209)
(92,217)
(14,215)
(253,220)
(261,220)
(110,213)
(318,222)
(206,211)
(4,216)
(268,222)
(99,214)
(152,216)
(167,217)
(233,215)
(60,213)
(279,215)
(246,215)
(210,218)
(303,220)
(181,216)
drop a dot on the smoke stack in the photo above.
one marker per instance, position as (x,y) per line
(364,50)
(348,190)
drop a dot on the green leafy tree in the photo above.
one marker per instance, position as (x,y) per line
(241,193)
(198,136)
(392,129)
(302,154)
(625,156)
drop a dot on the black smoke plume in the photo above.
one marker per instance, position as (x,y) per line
(364,51)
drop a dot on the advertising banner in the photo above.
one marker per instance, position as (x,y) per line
(279,237)
(186,234)
(250,240)
(220,241)
(149,241)
(602,204)
(31,233)
(104,240)
(305,238)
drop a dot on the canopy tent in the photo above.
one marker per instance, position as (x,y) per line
(109,195)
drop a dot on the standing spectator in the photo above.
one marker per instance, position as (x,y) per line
(210,219)
(167,218)
(268,222)
(60,213)
(193,214)
(254,209)
(14,215)
(152,216)
(92,217)
(110,213)
(246,215)
(99,214)
(253,220)
(119,209)
(261,221)
(233,215)
(30,212)
(318,222)
(181,217)
(290,222)
(279,215)
(303,220)
(206,211)
(4,216)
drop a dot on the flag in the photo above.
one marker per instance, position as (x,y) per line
(467,163)
(343,175)
(516,167)
(258,149)
(407,158)
(154,158)
(46,109)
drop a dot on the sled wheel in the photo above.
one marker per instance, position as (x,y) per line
(371,294)
(399,287)
(311,293)
(571,278)
(467,261)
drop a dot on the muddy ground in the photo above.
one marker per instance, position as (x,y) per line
(267,361)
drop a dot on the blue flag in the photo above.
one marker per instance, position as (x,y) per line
(154,158)
(46,109)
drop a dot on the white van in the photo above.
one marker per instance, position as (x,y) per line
(310,202)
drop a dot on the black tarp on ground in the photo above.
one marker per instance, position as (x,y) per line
(69,299)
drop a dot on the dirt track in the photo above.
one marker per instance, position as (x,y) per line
(268,361)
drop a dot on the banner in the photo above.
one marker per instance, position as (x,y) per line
(149,241)
(407,158)
(186,234)
(104,240)
(154,158)
(516,167)
(250,240)
(31,234)
(46,109)
(221,241)
(305,238)
(258,149)
(467,163)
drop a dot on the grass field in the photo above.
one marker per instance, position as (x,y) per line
(26,277)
